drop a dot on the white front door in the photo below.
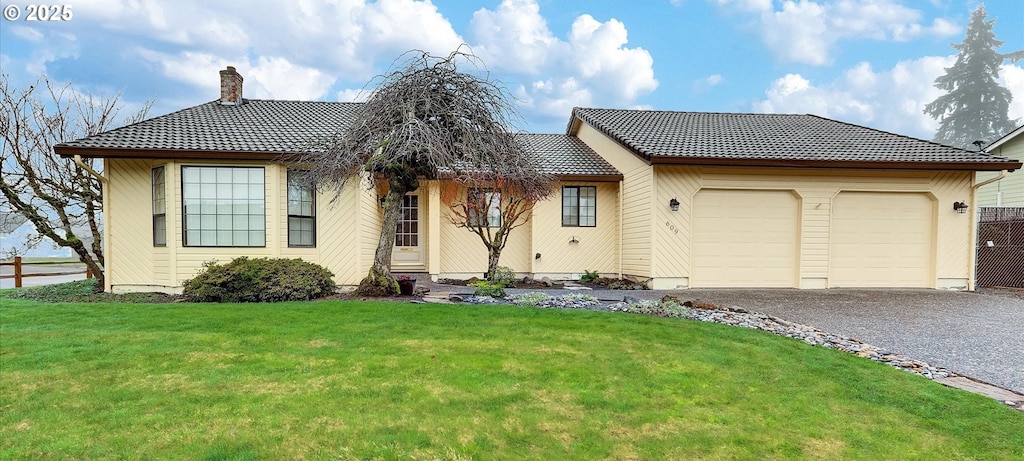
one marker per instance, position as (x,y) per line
(408,253)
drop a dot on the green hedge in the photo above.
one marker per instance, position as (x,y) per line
(259,280)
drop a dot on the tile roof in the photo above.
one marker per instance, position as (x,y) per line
(265,129)
(774,140)
(259,126)
(565,155)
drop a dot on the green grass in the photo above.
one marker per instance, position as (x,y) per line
(374,380)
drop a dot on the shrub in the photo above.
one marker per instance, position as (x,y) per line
(589,276)
(504,276)
(666,307)
(485,288)
(259,280)
(533,298)
(580,298)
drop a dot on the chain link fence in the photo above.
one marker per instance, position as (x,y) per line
(1000,247)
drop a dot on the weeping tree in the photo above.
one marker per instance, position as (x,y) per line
(424,119)
(975,105)
(61,197)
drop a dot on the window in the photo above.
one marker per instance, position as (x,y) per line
(159,207)
(579,206)
(479,200)
(407,231)
(223,206)
(301,212)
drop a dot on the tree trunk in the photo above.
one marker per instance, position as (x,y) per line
(493,254)
(380,282)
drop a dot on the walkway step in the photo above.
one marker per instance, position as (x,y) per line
(985,389)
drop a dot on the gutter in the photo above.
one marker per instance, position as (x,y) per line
(78,161)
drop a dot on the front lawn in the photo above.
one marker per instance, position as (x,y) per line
(375,380)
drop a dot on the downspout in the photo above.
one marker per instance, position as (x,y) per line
(87,168)
(1002,174)
(973,260)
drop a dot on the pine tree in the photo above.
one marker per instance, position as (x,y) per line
(975,105)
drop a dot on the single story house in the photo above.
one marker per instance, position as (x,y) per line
(676,199)
(1009,190)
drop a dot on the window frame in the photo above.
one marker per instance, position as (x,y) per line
(483,196)
(158,191)
(186,198)
(290,174)
(574,205)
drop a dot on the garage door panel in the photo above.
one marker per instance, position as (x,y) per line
(745,238)
(881,240)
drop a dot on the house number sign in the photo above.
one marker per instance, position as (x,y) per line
(672,227)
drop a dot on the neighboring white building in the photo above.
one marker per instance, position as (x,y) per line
(1009,191)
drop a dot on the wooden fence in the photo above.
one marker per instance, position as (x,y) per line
(19,274)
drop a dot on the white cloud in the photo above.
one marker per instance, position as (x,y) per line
(806,31)
(314,49)
(891,100)
(707,83)
(1013,80)
(285,80)
(345,38)
(591,65)
(514,38)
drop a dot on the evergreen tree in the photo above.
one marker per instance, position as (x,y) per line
(975,105)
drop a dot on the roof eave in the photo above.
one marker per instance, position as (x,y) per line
(590,177)
(835,164)
(1005,139)
(163,154)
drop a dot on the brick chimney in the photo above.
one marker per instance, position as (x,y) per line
(230,87)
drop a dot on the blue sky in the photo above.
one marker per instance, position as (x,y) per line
(870,62)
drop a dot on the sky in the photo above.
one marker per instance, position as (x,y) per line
(868,62)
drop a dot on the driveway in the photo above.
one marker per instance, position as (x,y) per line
(974,334)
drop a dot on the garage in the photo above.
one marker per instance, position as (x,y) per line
(882,239)
(745,238)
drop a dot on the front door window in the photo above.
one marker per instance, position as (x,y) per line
(408,232)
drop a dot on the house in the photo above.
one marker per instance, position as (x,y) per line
(676,199)
(1008,191)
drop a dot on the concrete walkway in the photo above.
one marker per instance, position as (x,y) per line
(975,335)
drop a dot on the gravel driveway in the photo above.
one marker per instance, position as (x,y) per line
(974,334)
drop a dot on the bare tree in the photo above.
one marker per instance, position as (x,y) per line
(62,198)
(491,212)
(425,119)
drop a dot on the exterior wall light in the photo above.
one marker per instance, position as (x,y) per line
(960,207)
(673,204)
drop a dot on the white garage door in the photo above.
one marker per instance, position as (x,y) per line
(881,240)
(745,238)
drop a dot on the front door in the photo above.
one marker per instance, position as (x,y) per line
(408,254)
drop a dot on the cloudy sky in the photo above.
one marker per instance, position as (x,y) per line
(870,62)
